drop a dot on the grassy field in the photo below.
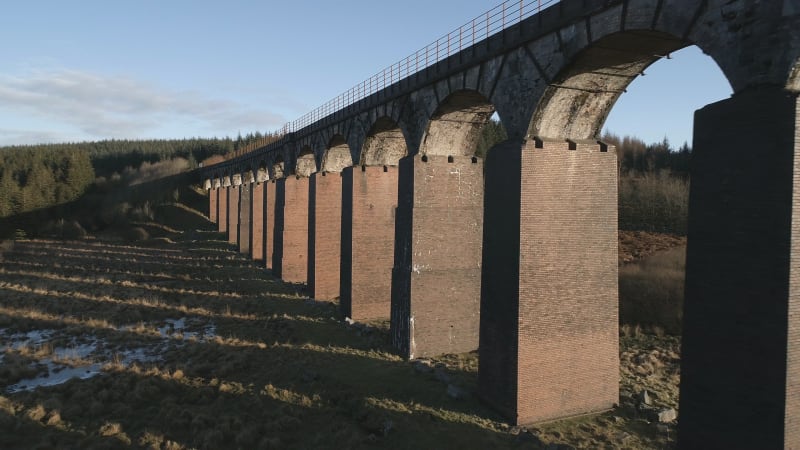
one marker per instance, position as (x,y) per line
(180,342)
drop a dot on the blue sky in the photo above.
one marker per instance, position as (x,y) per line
(88,70)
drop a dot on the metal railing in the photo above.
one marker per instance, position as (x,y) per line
(502,16)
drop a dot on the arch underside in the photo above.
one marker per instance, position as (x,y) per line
(306,164)
(278,168)
(576,104)
(261,173)
(454,129)
(384,145)
(338,155)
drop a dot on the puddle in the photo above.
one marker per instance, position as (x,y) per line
(75,352)
(36,337)
(178,327)
(86,359)
(56,374)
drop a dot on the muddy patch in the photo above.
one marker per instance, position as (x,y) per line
(42,358)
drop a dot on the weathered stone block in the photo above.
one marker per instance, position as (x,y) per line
(325,235)
(212,205)
(563,343)
(436,285)
(222,210)
(369,199)
(233,214)
(245,218)
(294,254)
(257,221)
(740,366)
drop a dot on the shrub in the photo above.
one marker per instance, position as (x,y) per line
(136,234)
(73,230)
(655,202)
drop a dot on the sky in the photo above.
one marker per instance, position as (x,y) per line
(138,69)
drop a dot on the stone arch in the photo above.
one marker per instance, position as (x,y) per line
(337,156)
(577,102)
(454,128)
(306,163)
(356,136)
(278,167)
(248,176)
(587,66)
(262,173)
(794,77)
(385,144)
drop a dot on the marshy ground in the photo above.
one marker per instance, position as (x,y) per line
(181,342)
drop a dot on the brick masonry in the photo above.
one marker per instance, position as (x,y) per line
(270,188)
(497,364)
(560,299)
(257,217)
(436,277)
(222,210)
(277,226)
(233,214)
(212,205)
(740,367)
(369,199)
(325,234)
(244,218)
(294,265)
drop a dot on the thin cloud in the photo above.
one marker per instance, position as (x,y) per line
(119,107)
(10,136)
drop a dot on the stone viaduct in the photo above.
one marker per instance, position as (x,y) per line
(383,204)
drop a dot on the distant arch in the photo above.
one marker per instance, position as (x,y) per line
(577,102)
(262,174)
(278,167)
(306,163)
(384,145)
(454,128)
(337,156)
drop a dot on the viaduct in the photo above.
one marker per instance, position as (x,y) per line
(378,200)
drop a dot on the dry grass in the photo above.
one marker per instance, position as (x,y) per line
(651,292)
(656,202)
(279,371)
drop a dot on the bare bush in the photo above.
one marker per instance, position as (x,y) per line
(153,171)
(655,202)
(136,234)
(63,229)
(142,213)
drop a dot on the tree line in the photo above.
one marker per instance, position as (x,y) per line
(39,176)
(653,185)
(31,180)
(653,179)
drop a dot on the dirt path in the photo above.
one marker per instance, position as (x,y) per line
(635,245)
